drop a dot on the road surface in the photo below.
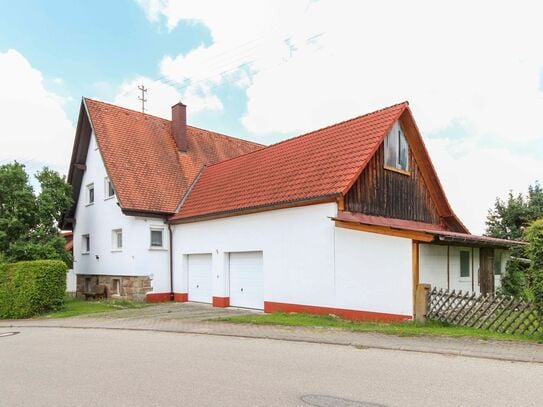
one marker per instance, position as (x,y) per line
(90,367)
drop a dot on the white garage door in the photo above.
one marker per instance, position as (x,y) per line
(246,280)
(200,277)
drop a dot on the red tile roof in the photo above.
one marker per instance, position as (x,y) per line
(439,231)
(147,170)
(323,163)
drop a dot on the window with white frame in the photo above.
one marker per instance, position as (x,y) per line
(90,194)
(85,244)
(117,239)
(465,266)
(109,192)
(396,149)
(157,238)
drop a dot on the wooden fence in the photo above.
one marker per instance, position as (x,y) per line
(496,312)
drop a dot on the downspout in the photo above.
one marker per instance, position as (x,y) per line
(172,296)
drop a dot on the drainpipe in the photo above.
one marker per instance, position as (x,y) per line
(171,262)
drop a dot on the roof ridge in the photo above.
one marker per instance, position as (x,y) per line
(311,132)
(226,135)
(166,120)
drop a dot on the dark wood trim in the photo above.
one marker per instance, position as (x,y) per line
(383,230)
(398,170)
(294,204)
(81,167)
(472,270)
(448,267)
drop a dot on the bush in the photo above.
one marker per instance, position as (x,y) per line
(29,288)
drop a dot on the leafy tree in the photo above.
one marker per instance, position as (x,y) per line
(509,219)
(534,249)
(28,221)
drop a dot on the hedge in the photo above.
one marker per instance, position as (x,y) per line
(29,288)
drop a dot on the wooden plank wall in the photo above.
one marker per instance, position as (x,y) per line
(383,192)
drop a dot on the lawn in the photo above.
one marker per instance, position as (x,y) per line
(408,328)
(75,307)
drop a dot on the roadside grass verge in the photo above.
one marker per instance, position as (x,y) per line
(408,328)
(75,307)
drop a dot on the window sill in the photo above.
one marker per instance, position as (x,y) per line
(117,251)
(109,197)
(158,249)
(398,170)
(89,204)
(85,254)
(465,279)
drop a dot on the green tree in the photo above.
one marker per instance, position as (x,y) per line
(509,219)
(534,250)
(28,221)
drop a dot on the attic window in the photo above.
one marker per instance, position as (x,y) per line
(396,149)
(109,192)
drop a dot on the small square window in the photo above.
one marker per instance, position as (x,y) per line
(465,269)
(497,262)
(117,239)
(108,188)
(90,194)
(85,248)
(156,237)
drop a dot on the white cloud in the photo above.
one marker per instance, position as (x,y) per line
(160,97)
(472,64)
(34,126)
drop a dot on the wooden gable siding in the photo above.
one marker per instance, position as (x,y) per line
(382,192)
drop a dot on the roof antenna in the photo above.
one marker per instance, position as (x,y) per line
(142,97)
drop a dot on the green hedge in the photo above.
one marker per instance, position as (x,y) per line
(29,288)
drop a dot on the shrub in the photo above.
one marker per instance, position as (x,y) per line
(29,288)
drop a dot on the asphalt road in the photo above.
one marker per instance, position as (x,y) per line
(89,367)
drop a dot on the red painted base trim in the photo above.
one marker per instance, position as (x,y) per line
(157,297)
(222,302)
(270,307)
(180,297)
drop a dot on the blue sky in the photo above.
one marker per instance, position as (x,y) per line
(267,70)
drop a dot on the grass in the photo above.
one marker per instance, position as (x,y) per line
(408,328)
(75,307)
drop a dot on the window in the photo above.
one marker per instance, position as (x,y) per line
(396,149)
(90,194)
(497,262)
(85,249)
(156,238)
(464,263)
(116,289)
(109,192)
(117,239)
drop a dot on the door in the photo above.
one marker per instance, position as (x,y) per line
(486,274)
(246,280)
(200,277)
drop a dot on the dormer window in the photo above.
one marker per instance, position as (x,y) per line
(396,149)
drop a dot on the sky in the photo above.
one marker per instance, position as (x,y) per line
(269,70)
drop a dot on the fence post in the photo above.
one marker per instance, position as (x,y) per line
(421,302)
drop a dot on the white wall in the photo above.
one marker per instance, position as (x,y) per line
(99,219)
(71,282)
(306,259)
(433,267)
(373,272)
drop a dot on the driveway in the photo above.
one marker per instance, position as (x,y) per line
(108,367)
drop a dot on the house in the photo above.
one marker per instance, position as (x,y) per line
(348,219)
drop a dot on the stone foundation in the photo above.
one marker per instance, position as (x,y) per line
(131,288)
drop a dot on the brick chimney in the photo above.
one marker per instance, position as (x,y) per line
(179,125)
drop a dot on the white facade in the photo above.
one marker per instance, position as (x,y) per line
(433,261)
(306,260)
(100,219)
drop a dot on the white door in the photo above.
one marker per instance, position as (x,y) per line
(200,277)
(246,280)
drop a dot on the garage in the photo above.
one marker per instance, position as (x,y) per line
(246,280)
(200,277)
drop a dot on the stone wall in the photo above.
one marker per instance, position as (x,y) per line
(131,287)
